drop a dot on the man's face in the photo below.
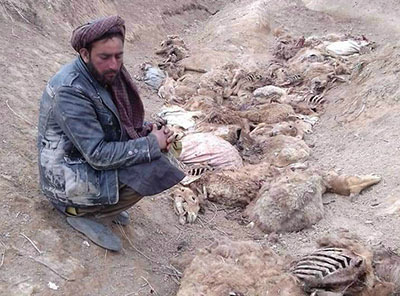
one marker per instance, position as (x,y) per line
(105,59)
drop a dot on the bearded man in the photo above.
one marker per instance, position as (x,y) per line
(97,157)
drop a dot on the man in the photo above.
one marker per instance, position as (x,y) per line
(97,158)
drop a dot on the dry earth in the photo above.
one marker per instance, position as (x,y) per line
(358,133)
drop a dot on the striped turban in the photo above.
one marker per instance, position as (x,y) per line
(86,34)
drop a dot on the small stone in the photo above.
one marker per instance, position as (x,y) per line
(250,225)
(52,286)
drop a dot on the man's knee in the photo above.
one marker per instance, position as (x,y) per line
(127,194)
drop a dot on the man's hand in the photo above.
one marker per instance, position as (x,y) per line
(164,136)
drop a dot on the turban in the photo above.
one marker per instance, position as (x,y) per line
(124,92)
(86,34)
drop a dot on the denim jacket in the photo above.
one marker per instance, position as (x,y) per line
(82,145)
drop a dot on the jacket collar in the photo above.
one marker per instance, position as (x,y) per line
(102,92)
(84,70)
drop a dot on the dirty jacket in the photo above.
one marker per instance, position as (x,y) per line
(83,147)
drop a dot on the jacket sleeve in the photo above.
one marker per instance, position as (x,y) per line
(75,113)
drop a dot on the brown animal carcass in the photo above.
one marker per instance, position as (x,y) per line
(342,266)
(264,131)
(269,113)
(237,268)
(234,187)
(349,185)
(230,132)
(291,202)
(284,150)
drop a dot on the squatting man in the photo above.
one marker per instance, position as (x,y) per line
(97,156)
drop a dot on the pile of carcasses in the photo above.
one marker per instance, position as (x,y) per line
(242,131)
(242,135)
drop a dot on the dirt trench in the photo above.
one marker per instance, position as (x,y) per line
(37,247)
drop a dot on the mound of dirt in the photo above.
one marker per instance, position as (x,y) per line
(380,13)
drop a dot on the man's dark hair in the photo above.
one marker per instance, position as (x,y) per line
(104,37)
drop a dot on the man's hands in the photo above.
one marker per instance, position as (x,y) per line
(164,136)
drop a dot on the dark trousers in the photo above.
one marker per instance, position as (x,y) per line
(127,198)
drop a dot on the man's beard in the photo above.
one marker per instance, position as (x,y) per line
(101,78)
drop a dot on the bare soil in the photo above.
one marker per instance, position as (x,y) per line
(358,133)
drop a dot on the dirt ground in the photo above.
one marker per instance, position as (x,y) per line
(358,134)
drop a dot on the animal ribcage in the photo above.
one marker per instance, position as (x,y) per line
(253,77)
(323,266)
(198,170)
(294,79)
(315,100)
(194,172)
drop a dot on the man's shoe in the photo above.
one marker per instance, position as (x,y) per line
(122,218)
(96,232)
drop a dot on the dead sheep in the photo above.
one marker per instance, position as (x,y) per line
(286,47)
(172,40)
(313,70)
(308,55)
(303,128)
(296,129)
(331,269)
(225,115)
(277,72)
(284,150)
(167,91)
(234,187)
(175,92)
(214,83)
(215,78)
(348,184)
(264,131)
(184,92)
(173,49)
(200,103)
(291,202)
(269,113)
(302,107)
(367,285)
(269,94)
(245,82)
(237,268)
(189,80)
(230,132)
(173,70)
